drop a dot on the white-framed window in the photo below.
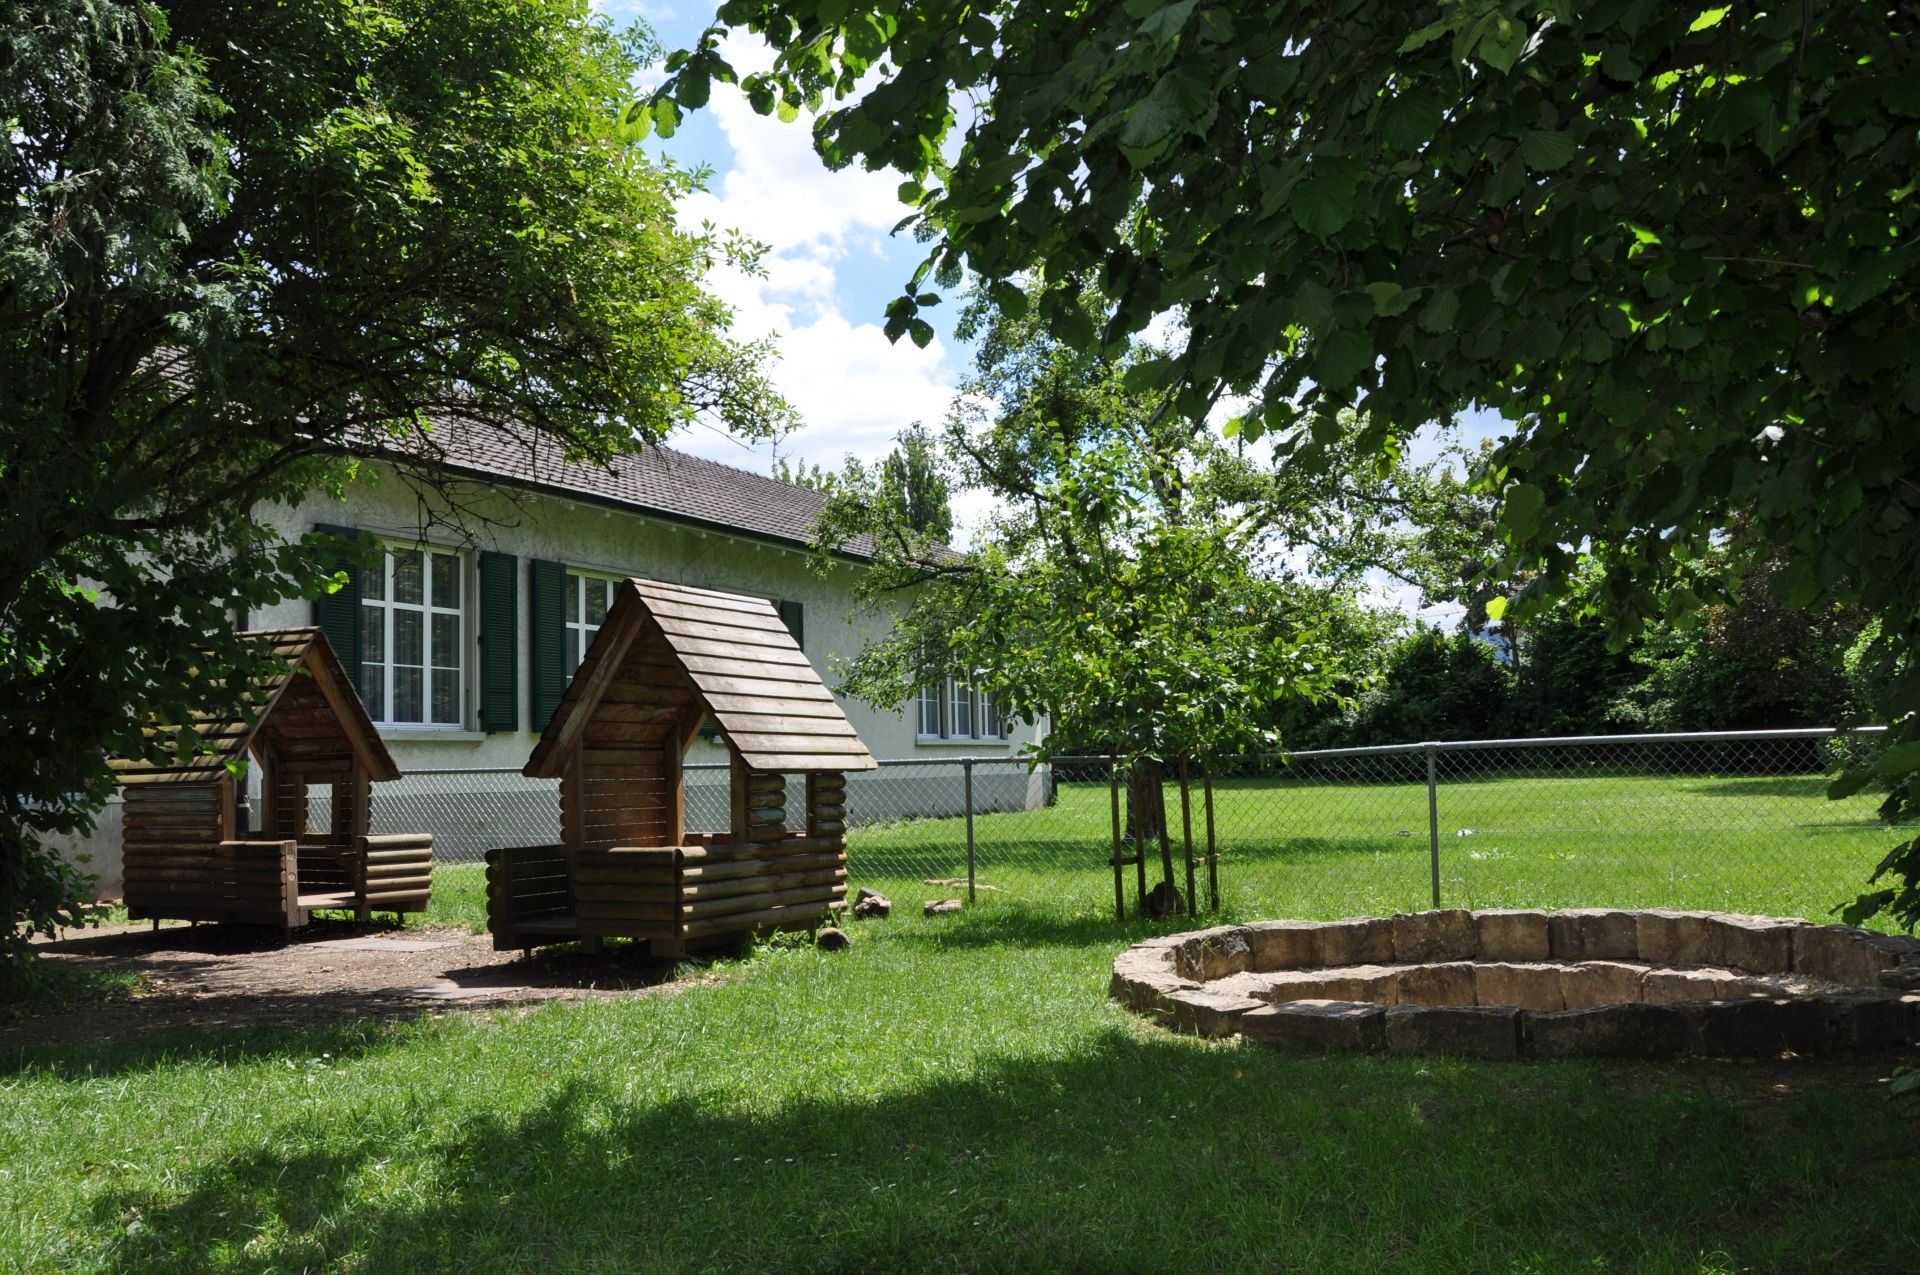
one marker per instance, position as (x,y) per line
(954,710)
(413,637)
(589,597)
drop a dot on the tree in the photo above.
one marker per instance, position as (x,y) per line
(1675,244)
(1126,586)
(247,242)
(919,493)
(1751,663)
(1436,687)
(800,474)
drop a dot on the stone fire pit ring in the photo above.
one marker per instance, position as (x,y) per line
(1509,983)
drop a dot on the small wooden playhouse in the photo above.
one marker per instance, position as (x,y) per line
(187,850)
(669,660)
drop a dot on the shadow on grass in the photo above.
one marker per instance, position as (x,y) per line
(1141,1152)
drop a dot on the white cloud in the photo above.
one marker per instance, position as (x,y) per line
(820,297)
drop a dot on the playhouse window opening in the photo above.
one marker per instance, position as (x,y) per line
(319,804)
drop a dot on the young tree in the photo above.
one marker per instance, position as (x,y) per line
(1127,585)
(918,491)
(815,477)
(1676,244)
(246,241)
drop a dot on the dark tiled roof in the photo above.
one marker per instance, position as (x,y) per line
(657,480)
(225,739)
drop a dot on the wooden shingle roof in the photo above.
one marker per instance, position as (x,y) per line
(738,660)
(309,681)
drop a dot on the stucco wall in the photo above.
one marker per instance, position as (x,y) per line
(594,538)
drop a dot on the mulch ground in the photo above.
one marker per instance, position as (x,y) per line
(326,973)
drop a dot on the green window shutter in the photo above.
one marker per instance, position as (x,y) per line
(499,642)
(547,635)
(795,617)
(337,614)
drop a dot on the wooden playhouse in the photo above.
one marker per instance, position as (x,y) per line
(188,852)
(668,660)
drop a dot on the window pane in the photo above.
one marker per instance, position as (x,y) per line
(929,710)
(406,578)
(373,580)
(445,682)
(406,695)
(597,591)
(373,690)
(446,580)
(446,641)
(962,711)
(407,643)
(373,634)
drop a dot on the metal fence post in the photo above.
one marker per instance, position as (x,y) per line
(968,771)
(1433,818)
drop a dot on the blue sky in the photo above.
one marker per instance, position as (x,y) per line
(832,267)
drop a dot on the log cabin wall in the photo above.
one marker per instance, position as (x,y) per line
(171,835)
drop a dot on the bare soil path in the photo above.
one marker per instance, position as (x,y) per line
(329,972)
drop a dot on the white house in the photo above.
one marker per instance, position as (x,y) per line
(493,579)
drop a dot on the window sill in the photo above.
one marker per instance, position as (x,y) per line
(430,735)
(958,741)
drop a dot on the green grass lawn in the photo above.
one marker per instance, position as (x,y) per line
(957,1094)
(1770,844)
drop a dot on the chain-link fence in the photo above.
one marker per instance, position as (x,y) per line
(1728,820)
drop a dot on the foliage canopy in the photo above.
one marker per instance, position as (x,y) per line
(243,241)
(1676,244)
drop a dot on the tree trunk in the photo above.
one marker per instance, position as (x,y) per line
(1147,810)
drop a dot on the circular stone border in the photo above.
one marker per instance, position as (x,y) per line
(1517,983)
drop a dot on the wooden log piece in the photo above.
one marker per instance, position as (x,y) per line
(826,828)
(397,841)
(795,916)
(728,870)
(756,902)
(766,885)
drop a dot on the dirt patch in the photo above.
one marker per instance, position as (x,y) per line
(330,972)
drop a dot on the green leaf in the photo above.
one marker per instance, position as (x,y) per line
(1148,375)
(1522,508)
(1181,102)
(1441,309)
(1390,299)
(1164,25)
(1425,35)
(1708,18)
(1322,205)
(1848,783)
(1546,149)
(1343,357)
(1901,759)
(1496,608)
(1409,119)
(1312,305)
(1501,47)
(1739,112)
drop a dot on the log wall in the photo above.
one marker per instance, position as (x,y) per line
(181,865)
